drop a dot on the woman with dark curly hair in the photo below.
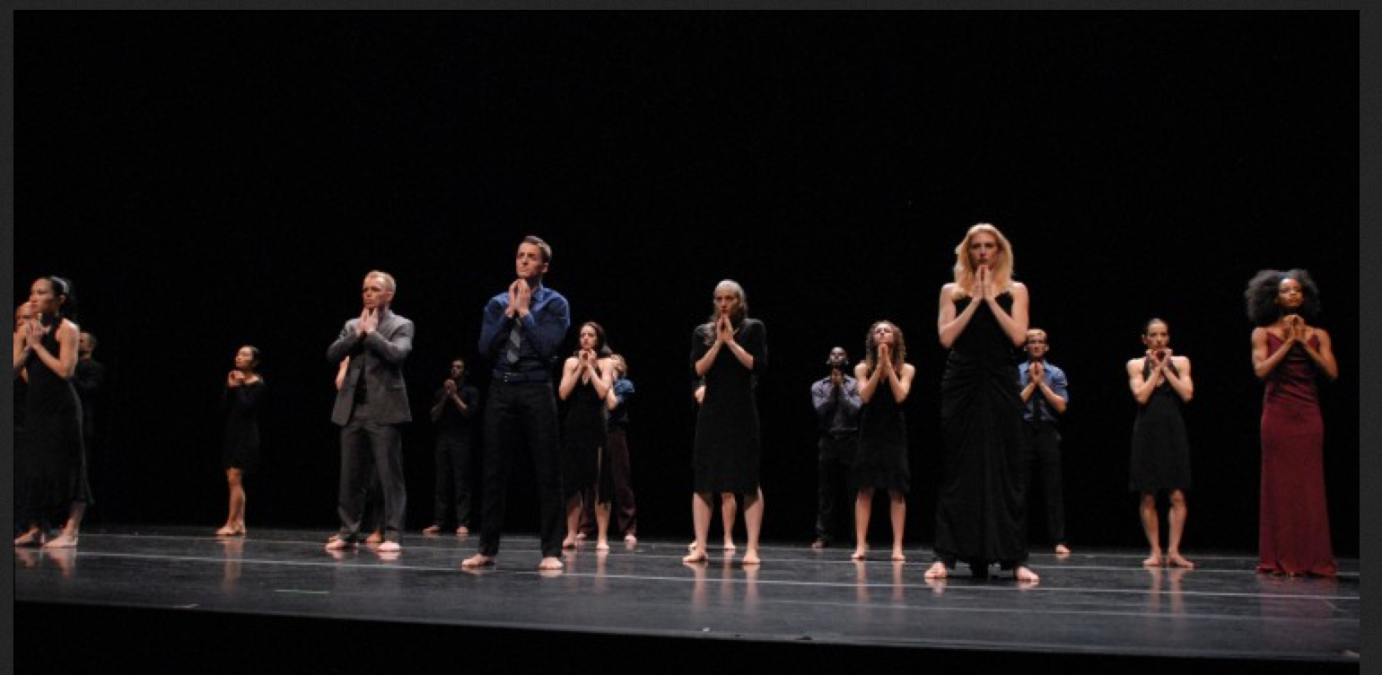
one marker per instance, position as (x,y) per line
(1289,355)
(885,380)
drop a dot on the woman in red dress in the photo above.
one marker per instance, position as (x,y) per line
(1290,355)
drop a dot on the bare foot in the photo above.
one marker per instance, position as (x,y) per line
(432,530)
(462,531)
(697,555)
(63,540)
(375,537)
(630,540)
(477,561)
(225,531)
(937,571)
(859,554)
(602,545)
(1177,560)
(751,557)
(898,556)
(550,564)
(1154,560)
(729,545)
(819,544)
(1062,549)
(336,543)
(568,542)
(33,537)
(389,547)
(1025,574)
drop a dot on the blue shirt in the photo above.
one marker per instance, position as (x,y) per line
(619,417)
(838,408)
(544,329)
(1055,379)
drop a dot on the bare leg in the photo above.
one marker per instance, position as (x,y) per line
(863,510)
(573,520)
(700,519)
(602,526)
(898,511)
(68,538)
(235,517)
(753,522)
(1176,517)
(729,506)
(1151,527)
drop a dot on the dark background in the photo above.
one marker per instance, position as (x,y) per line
(215,179)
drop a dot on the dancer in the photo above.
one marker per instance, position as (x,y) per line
(729,351)
(453,414)
(836,401)
(45,348)
(522,330)
(371,406)
(1044,397)
(885,381)
(980,515)
(1290,355)
(586,381)
(242,398)
(1161,384)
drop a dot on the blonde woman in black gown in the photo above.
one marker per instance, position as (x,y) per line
(980,512)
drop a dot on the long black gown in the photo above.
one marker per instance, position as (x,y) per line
(582,436)
(726,451)
(980,513)
(53,433)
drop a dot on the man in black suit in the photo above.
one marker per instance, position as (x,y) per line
(370,405)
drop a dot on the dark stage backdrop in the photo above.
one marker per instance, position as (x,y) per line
(215,179)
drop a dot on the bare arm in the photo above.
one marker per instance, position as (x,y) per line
(65,363)
(1324,356)
(1262,363)
(1015,324)
(951,324)
(1180,377)
(901,383)
(868,382)
(570,373)
(1141,387)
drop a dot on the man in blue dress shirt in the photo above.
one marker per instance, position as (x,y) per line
(1044,398)
(523,329)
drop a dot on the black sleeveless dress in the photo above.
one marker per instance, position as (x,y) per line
(980,513)
(582,436)
(881,459)
(1160,447)
(53,433)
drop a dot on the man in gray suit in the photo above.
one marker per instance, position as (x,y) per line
(370,405)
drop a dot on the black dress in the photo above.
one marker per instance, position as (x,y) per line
(881,459)
(582,436)
(980,514)
(53,434)
(725,454)
(1160,447)
(240,449)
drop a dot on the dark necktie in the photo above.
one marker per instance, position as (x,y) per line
(515,342)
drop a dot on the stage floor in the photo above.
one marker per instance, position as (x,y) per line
(1091,603)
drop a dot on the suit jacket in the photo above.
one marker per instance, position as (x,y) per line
(377,357)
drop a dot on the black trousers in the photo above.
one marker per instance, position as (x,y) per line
(1042,451)
(369,450)
(834,497)
(454,486)
(519,417)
